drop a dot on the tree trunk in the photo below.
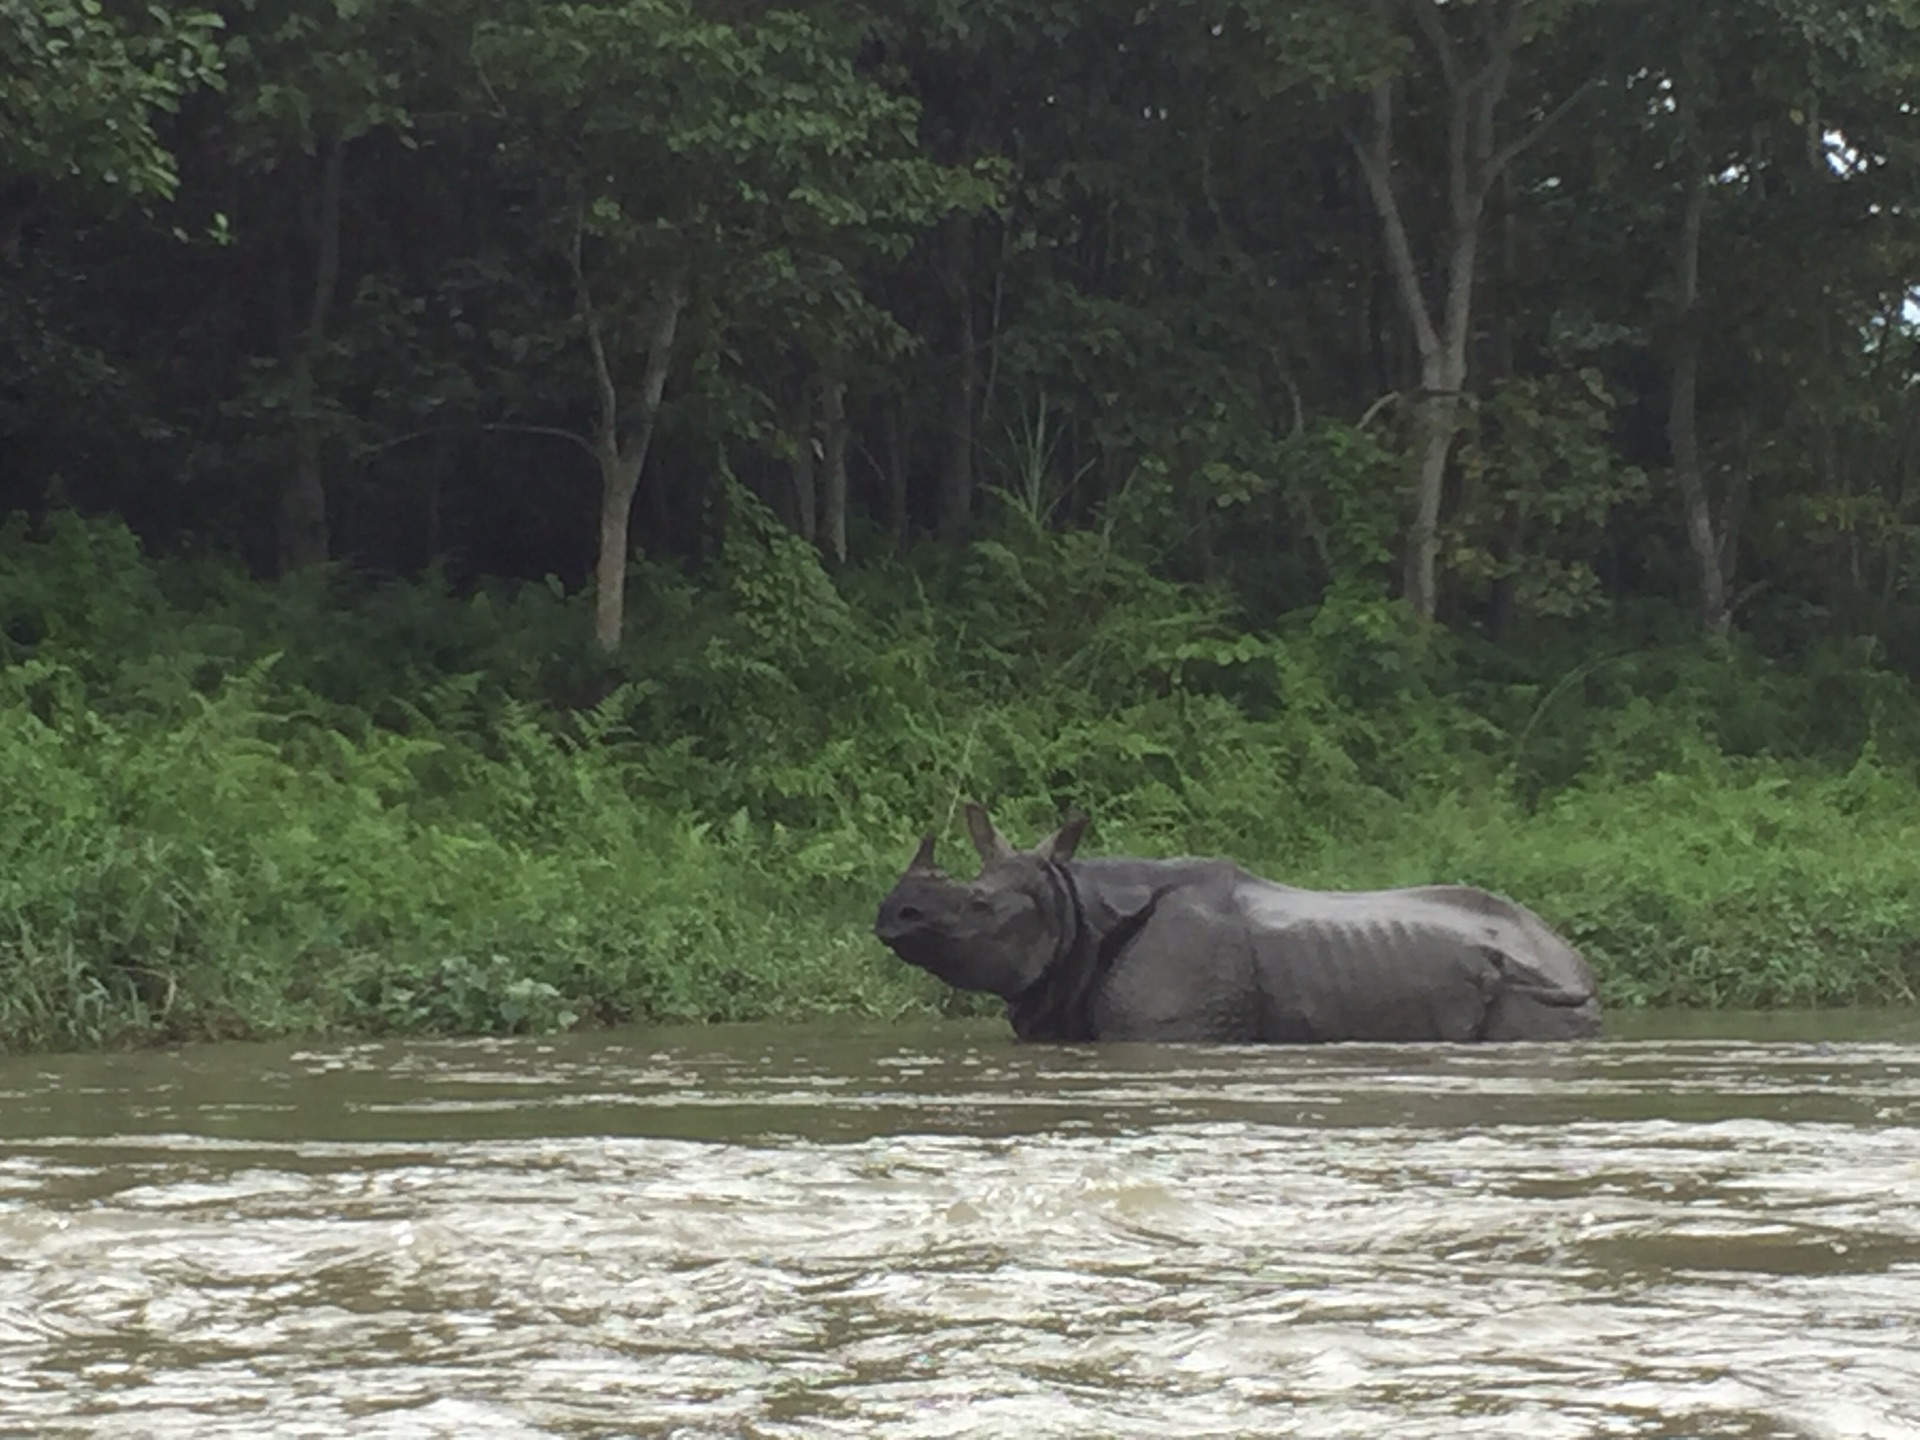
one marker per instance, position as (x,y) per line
(302,520)
(1683,433)
(1733,507)
(623,455)
(1439,413)
(895,439)
(302,524)
(1503,600)
(1510,538)
(833,464)
(445,456)
(1474,165)
(1436,408)
(956,469)
(1442,345)
(659,510)
(619,479)
(803,473)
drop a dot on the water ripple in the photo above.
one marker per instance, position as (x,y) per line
(788,1234)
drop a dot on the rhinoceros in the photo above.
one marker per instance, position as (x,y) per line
(1202,950)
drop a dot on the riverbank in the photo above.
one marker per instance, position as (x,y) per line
(229,809)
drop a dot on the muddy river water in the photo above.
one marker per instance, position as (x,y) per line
(1689,1229)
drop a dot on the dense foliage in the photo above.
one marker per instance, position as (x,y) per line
(336,804)
(525,511)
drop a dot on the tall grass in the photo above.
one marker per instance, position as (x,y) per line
(235,809)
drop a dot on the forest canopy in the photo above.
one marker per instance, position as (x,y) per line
(1512,308)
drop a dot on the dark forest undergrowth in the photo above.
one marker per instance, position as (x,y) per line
(334,806)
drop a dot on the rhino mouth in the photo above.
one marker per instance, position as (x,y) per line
(927,949)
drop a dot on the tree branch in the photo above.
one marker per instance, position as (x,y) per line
(609,427)
(666,320)
(552,431)
(1432,22)
(1503,43)
(326,268)
(1376,162)
(1461,183)
(653,383)
(1392,397)
(1520,144)
(1490,87)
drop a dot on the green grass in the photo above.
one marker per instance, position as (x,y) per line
(229,809)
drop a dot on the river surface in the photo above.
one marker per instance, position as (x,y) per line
(1690,1229)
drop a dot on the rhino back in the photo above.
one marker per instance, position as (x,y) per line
(1440,962)
(1203,950)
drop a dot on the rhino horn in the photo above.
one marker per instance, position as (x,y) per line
(991,844)
(923,862)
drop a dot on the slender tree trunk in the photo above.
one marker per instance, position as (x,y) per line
(443,451)
(1506,280)
(1510,535)
(1836,478)
(1683,433)
(619,479)
(956,468)
(435,540)
(1474,164)
(895,439)
(659,506)
(1733,509)
(1893,573)
(803,473)
(1503,603)
(833,466)
(302,525)
(1439,418)
(622,451)
(1441,345)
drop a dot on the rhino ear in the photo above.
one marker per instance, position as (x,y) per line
(1060,845)
(991,844)
(923,862)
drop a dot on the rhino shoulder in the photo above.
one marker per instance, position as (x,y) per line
(1122,888)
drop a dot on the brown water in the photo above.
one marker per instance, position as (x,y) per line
(826,1232)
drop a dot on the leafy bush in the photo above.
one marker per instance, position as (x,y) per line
(236,809)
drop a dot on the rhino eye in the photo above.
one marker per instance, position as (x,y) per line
(979,902)
(910,912)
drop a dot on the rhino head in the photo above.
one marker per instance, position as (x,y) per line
(999,932)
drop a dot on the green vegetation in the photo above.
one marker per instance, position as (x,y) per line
(239,809)
(693,446)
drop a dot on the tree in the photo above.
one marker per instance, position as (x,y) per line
(310,84)
(1476,75)
(1759,134)
(86,96)
(82,87)
(693,170)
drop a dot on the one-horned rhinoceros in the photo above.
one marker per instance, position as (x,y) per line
(1201,950)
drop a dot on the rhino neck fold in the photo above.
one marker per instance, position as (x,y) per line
(1047,1009)
(1058,1006)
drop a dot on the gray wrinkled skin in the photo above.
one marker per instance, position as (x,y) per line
(1201,950)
